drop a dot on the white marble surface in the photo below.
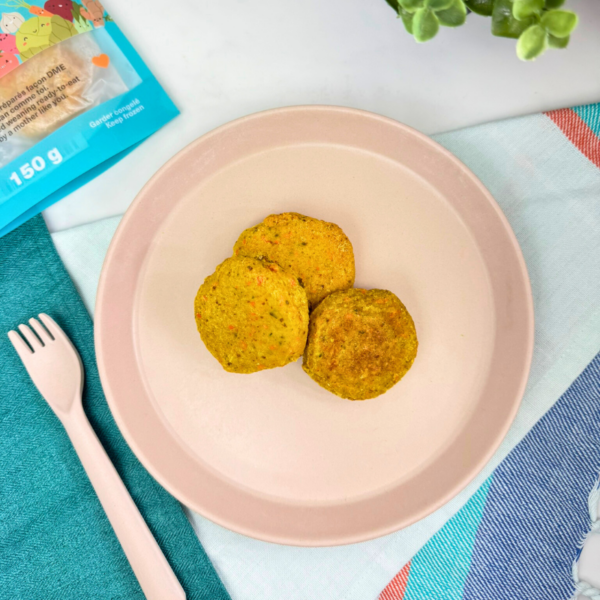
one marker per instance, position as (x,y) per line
(222,60)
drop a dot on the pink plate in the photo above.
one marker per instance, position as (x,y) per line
(272,455)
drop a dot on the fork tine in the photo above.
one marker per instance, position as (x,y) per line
(33,339)
(41,331)
(55,331)
(23,350)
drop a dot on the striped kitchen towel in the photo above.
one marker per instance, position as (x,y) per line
(521,533)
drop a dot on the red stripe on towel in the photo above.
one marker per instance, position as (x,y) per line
(396,587)
(578,133)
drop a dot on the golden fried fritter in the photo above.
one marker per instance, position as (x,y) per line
(318,253)
(360,343)
(252,315)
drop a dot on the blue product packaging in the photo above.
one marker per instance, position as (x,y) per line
(75,97)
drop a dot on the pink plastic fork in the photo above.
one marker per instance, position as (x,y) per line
(56,370)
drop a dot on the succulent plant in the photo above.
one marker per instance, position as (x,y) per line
(536,24)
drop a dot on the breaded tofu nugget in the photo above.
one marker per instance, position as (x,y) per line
(318,253)
(252,315)
(360,343)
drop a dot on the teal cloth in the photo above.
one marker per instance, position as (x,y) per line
(55,540)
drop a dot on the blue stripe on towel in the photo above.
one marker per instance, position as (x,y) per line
(536,511)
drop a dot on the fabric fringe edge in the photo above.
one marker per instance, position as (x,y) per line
(581,587)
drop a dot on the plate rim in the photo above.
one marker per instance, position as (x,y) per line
(129,435)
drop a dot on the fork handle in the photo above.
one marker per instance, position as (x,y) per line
(153,572)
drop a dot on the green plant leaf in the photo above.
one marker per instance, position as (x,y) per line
(481,7)
(503,22)
(394,5)
(532,43)
(425,25)
(407,19)
(522,9)
(411,5)
(554,3)
(454,16)
(560,23)
(554,42)
(438,4)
